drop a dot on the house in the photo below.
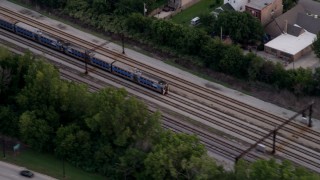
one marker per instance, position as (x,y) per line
(299,15)
(293,32)
(292,44)
(264,10)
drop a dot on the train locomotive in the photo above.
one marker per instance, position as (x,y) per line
(103,62)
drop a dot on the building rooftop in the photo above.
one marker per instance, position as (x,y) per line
(295,30)
(292,44)
(259,4)
(227,7)
(310,22)
(297,15)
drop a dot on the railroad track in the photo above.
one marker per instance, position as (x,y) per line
(213,144)
(172,101)
(199,91)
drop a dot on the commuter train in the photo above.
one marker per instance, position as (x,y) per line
(95,59)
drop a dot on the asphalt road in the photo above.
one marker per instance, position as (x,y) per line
(11,172)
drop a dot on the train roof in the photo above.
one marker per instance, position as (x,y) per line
(80,49)
(41,33)
(137,71)
(8,19)
(149,76)
(28,27)
(124,66)
(102,57)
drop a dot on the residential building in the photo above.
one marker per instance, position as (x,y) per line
(308,20)
(264,10)
(292,44)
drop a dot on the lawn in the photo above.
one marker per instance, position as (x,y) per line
(49,165)
(203,6)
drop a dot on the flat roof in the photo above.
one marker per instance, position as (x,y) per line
(48,36)
(291,44)
(149,76)
(124,66)
(82,50)
(259,4)
(8,19)
(101,57)
(28,27)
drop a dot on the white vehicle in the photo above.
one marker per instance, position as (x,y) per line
(261,148)
(195,21)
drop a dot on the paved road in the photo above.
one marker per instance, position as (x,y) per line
(11,172)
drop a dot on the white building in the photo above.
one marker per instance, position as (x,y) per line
(292,44)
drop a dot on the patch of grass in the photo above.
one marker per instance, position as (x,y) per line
(202,7)
(49,165)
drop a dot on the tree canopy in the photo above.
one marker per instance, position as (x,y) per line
(316,45)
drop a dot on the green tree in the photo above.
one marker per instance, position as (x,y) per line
(178,156)
(208,22)
(316,81)
(265,170)
(288,4)
(212,52)
(316,45)
(301,80)
(242,27)
(12,70)
(233,62)
(35,132)
(117,122)
(74,144)
(8,121)
(270,169)
(254,67)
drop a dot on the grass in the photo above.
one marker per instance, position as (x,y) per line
(49,165)
(202,7)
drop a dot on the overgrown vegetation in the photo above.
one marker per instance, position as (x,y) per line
(106,132)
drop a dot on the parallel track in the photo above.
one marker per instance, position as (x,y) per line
(172,98)
(231,104)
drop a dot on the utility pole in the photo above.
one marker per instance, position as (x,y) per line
(87,55)
(122,40)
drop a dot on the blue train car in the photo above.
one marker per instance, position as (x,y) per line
(151,82)
(75,51)
(50,41)
(7,23)
(26,30)
(123,70)
(101,61)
